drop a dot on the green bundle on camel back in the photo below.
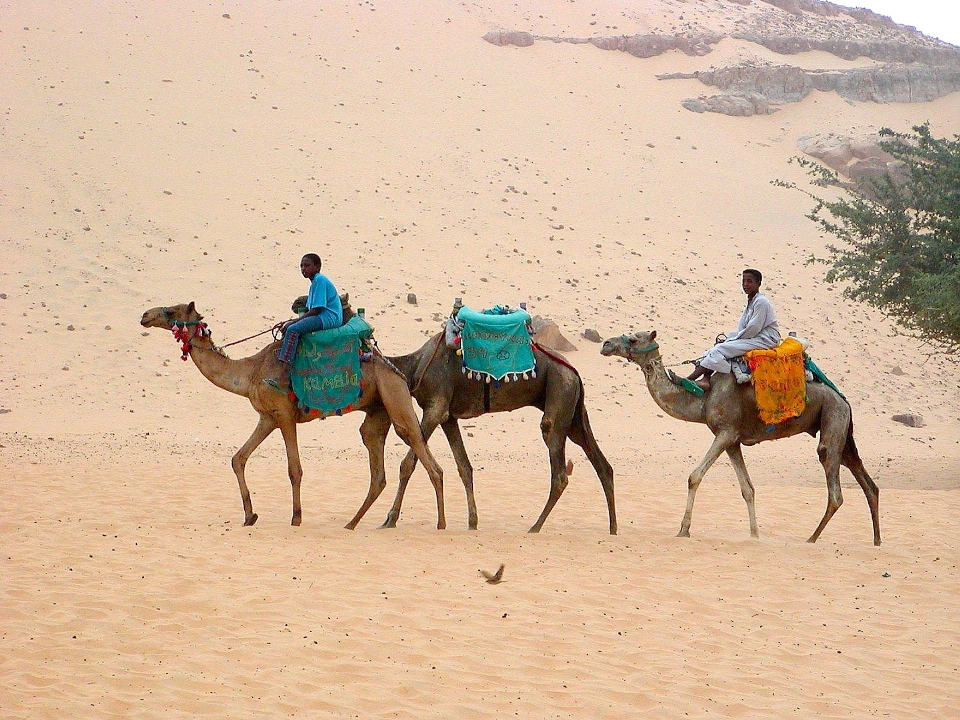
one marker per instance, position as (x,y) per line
(731,412)
(437,380)
(383,396)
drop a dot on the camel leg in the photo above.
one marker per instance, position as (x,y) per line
(720,443)
(239,462)
(294,469)
(373,430)
(451,428)
(582,435)
(407,466)
(735,453)
(396,398)
(555,440)
(851,460)
(829,450)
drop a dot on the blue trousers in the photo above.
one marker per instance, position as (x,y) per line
(291,338)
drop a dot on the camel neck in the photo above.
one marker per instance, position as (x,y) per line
(227,374)
(673,400)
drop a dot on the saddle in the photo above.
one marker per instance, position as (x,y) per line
(779,380)
(325,375)
(495,343)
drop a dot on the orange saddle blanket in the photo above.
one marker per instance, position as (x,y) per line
(778,380)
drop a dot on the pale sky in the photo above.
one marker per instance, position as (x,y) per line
(936,18)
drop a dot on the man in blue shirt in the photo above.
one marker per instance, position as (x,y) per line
(324,311)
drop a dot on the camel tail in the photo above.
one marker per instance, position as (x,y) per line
(851,459)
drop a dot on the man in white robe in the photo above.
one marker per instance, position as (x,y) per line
(757,330)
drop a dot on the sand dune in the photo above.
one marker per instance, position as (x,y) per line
(186,151)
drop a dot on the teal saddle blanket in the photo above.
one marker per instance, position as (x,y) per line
(326,370)
(496,345)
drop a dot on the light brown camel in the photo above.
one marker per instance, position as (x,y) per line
(384,398)
(446,395)
(730,411)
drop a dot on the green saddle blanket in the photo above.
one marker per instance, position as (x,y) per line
(819,375)
(326,370)
(496,345)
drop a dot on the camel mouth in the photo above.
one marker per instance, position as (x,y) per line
(607,349)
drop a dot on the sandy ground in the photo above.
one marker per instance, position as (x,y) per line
(171,152)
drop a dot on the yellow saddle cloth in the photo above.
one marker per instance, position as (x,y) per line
(778,380)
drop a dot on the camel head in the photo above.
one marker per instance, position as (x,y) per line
(166,317)
(635,347)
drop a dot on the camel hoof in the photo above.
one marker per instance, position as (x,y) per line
(535,529)
(252,520)
(683,533)
(350,525)
(296,521)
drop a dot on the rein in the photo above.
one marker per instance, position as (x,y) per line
(436,348)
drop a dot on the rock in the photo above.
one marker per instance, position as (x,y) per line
(897,370)
(914,420)
(733,105)
(412,298)
(592,335)
(547,333)
(891,82)
(509,37)
(856,159)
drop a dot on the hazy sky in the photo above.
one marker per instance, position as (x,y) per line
(937,18)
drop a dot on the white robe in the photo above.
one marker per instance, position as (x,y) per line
(757,330)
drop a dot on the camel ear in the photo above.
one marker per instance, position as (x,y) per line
(345,298)
(653,335)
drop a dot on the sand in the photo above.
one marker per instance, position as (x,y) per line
(163,153)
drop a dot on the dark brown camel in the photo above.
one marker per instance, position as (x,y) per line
(730,411)
(384,398)
(447,395)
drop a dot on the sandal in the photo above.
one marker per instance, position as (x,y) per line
(691,387)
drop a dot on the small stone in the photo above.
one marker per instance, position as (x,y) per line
(914,420)
(412,298)
(897,370)
(591,335)
(70,327)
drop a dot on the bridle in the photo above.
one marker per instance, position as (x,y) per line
(185,331)
(631,353)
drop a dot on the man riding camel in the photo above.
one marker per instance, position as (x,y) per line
(757,330)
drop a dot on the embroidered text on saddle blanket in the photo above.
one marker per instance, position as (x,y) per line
(325,375)
(778,380)
(496,345)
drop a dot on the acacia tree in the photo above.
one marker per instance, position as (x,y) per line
(899,235)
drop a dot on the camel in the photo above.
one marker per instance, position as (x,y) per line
(730,411)
(446,395)
(384,398)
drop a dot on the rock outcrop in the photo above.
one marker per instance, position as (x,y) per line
(759,85)
(911,66)
(857,160)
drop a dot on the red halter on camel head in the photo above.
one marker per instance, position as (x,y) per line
(183,335)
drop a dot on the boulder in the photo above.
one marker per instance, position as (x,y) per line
(914,420)
(547,333)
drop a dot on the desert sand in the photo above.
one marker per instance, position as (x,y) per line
(158,153)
